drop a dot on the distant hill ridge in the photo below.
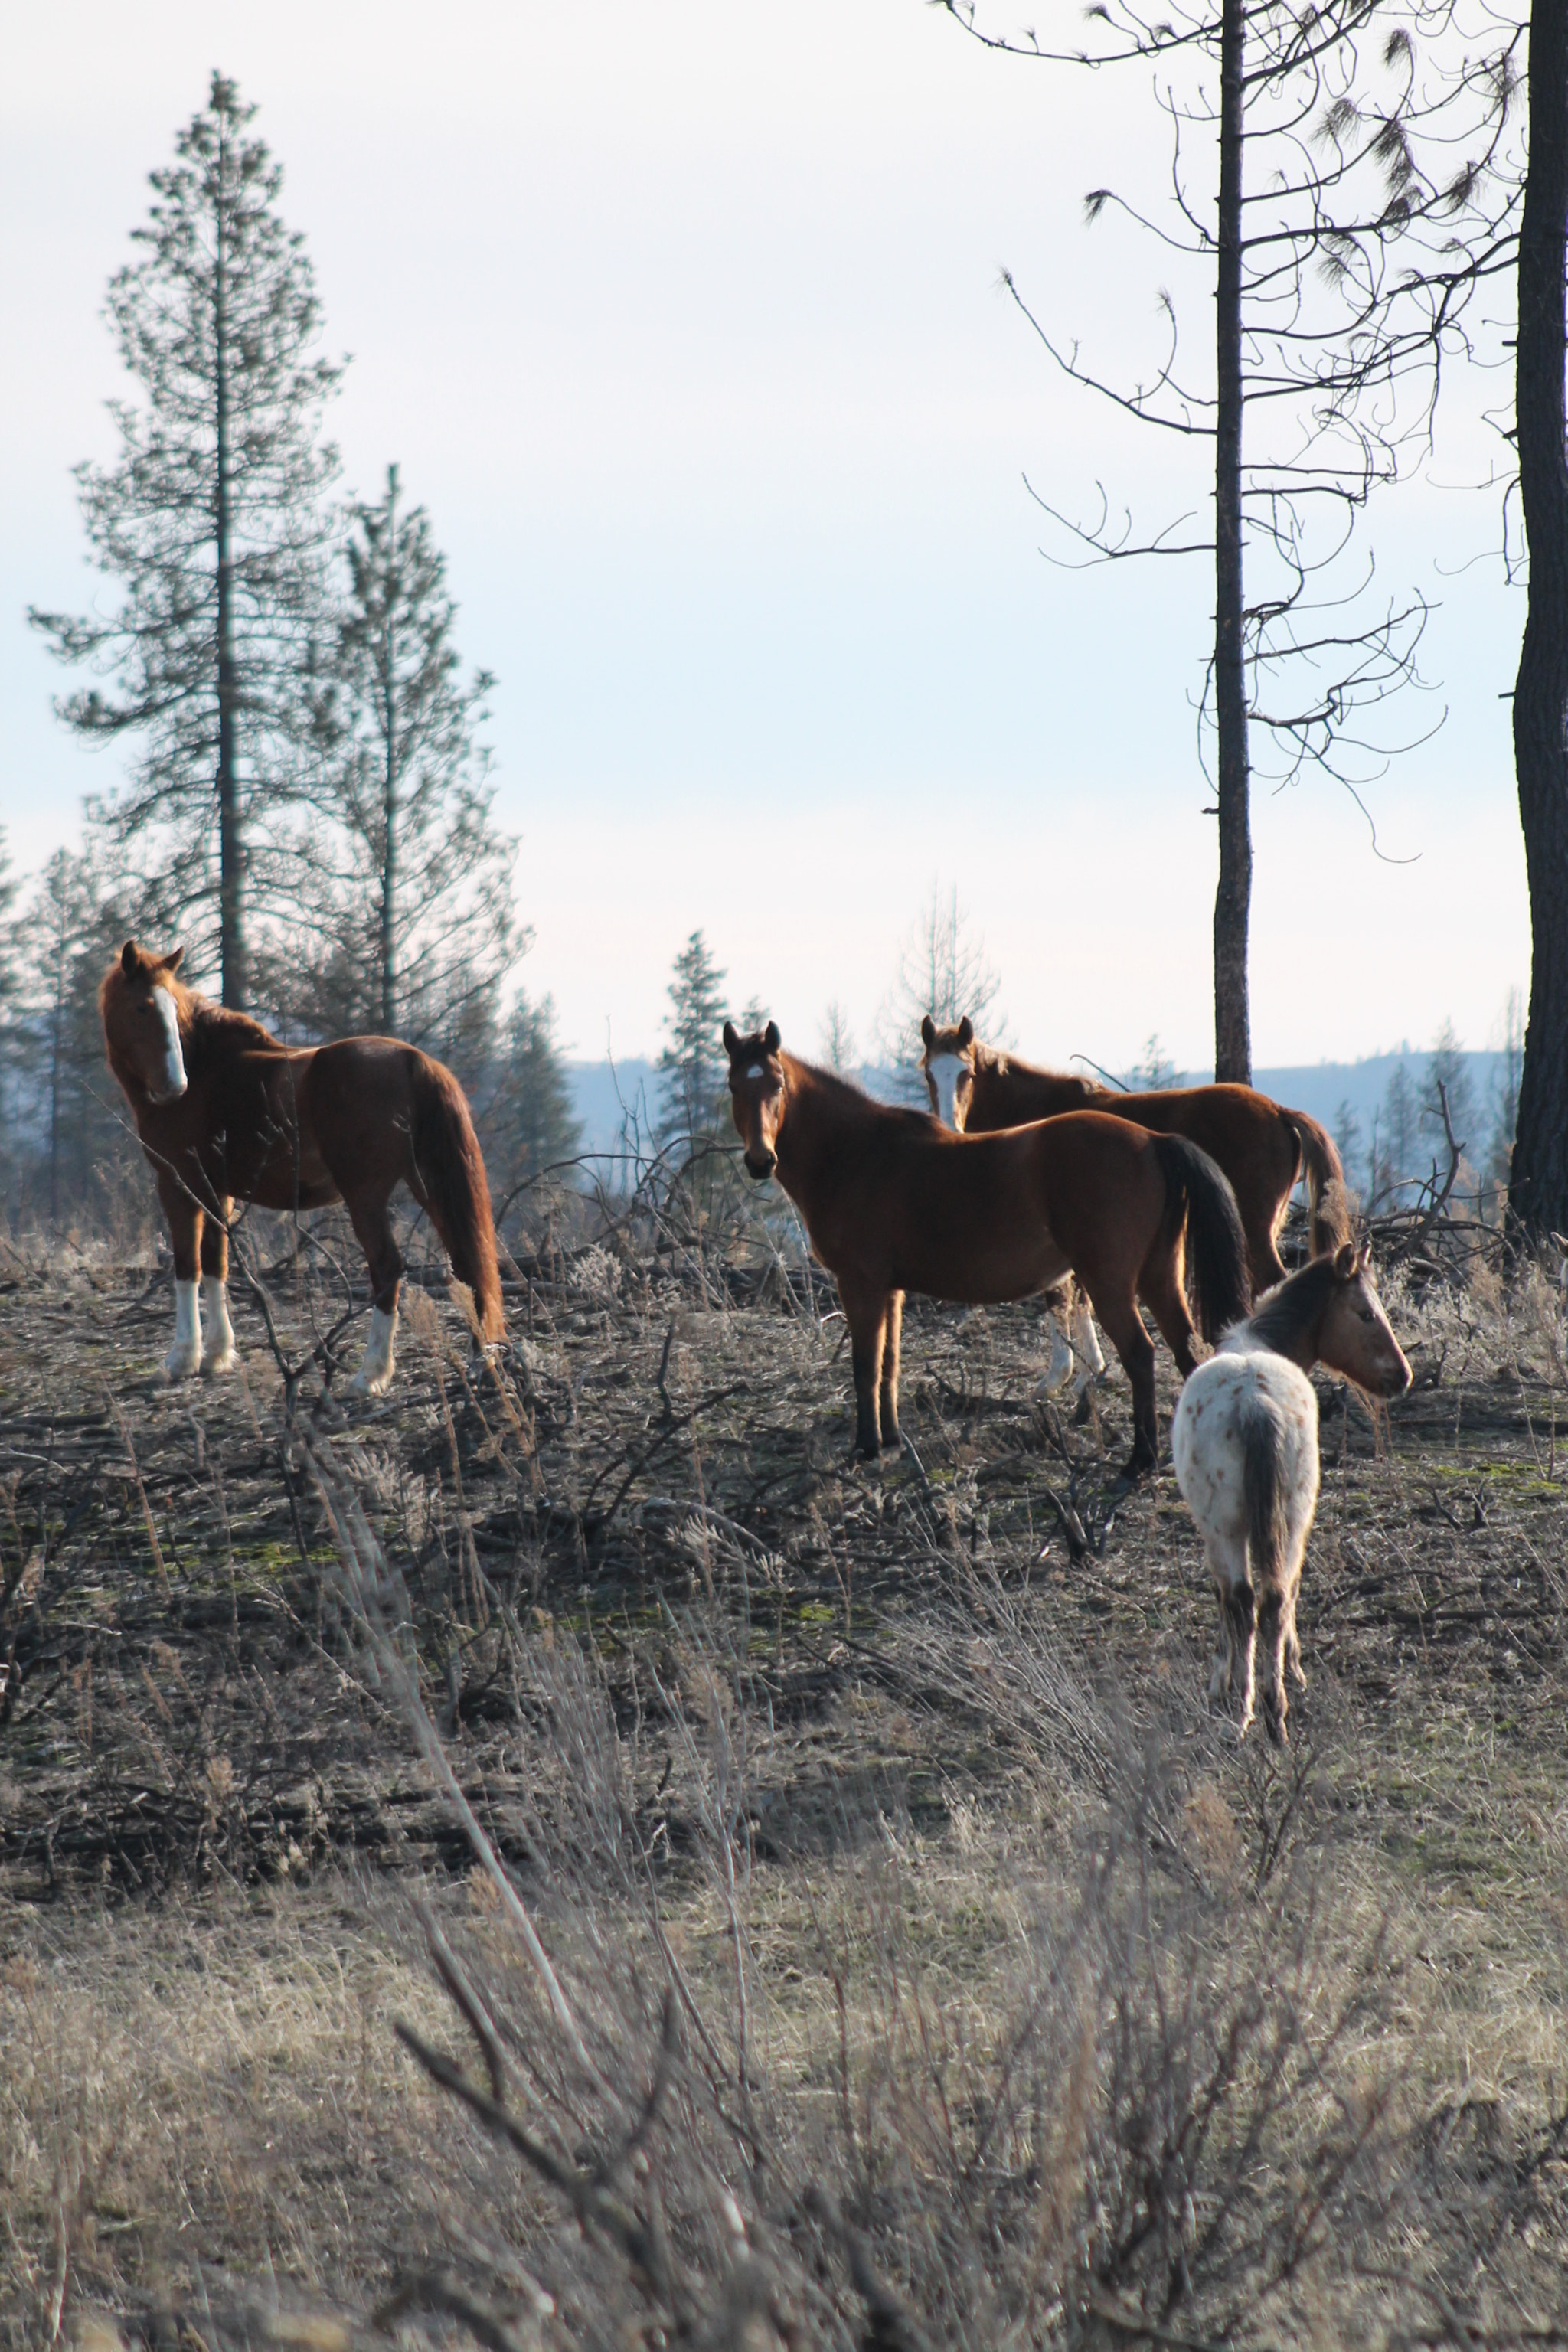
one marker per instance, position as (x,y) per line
(600,1089)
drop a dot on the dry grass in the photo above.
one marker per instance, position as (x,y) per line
(928,1957)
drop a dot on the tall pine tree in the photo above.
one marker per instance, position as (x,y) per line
(414,878)
(211,520)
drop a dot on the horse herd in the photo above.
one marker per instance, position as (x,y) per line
(1022,1181)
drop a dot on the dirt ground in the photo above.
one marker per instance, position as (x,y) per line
(951,1676)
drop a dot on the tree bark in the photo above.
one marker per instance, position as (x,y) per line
(389,716)
(1233,897)
(1538,1183)
(231,851)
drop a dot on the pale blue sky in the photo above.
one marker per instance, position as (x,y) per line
(684,324)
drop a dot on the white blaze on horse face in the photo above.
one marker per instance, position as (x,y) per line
(944,1070)
(172,1079)
(756,1071)
(185,1357)
(222,1355)
(376,1370)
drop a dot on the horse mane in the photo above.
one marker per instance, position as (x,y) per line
(844,1091)
(1003,1065)
(1285,1314)
(203,1023)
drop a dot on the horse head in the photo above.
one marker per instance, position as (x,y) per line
(948,1063)
(1356,1337)
(141,1007)
(756,1094)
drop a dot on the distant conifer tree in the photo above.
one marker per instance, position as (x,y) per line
(1446,1066)
(1400,1127)
(69,932)
(692,1067)
(410,881)
(529,1124)
(211,521)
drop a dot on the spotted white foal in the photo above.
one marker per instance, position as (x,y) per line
(1244,1437)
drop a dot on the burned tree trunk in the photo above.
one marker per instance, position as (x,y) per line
(1538,1190)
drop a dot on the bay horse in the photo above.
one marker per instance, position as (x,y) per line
(1262,1146)
(225,1111)
(893,1201)
(1244,1438)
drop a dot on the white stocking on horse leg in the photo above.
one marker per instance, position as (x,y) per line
(1061,1357)
(221,1356)
(1086,1348)
(185,1357)
(376,1369)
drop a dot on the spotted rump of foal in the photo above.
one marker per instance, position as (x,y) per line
(1245,1443)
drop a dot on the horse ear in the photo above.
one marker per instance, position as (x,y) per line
(1347,1262)
(731,1040)
(171,963)
(966,1032)
(771,1037)
(928,1031)
(128,959)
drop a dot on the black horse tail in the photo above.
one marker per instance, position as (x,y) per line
(1217,1280)
(1329,1197)
(452,1173)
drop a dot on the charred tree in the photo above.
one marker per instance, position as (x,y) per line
(1538,1177)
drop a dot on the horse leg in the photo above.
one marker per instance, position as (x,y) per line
(1293,1645)
(221,1356)
(1084,1340)
(1123,1327)
(865,1312)
(1227,1567)
(185,1220)
(1263,1249)
(1272,1635)
(1240,1604)
(1160,1286)
(887,1387)
(1061,1357)
(372,1226)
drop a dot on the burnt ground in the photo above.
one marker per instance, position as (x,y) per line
(174,1698)
(663,1446)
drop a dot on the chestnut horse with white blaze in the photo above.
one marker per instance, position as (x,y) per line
(1245,1442)
(893,1202)
(224,1112)
(1262,1146)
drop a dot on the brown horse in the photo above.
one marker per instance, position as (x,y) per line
(1262,1148)
(226,1112)
(895,1201)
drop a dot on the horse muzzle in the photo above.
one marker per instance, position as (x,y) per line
(762,1166)
(169,1094)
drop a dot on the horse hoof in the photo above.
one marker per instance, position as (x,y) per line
(216,1366)
(181,1364)
(368,1385)
(1139,1466)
